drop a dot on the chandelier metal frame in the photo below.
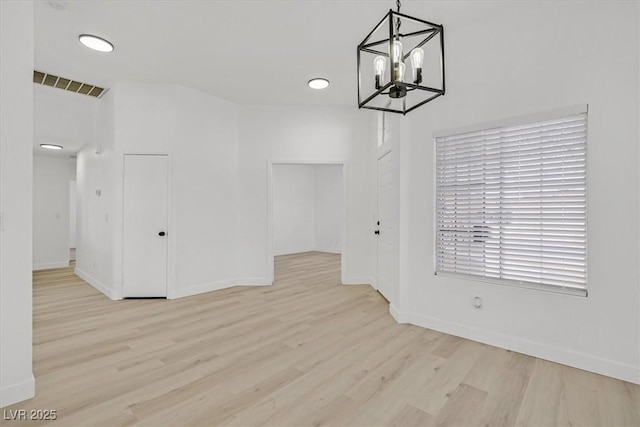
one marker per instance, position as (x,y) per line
(395,87)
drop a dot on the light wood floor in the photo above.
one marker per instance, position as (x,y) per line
(305,351)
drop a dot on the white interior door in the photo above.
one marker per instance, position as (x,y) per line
(384,229)
(145,226)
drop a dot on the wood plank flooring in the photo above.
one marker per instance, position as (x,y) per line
(306,351)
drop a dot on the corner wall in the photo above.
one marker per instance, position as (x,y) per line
(520,59)
(308,208)
(329,207)
(293,209)
(95,199)
(62,117)
(199,134)
(16,157)
(51,213)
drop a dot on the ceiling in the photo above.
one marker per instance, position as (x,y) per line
(62,118)
(248,52)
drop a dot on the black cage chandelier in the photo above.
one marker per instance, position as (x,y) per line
(383,83)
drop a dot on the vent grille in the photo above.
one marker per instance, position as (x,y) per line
(67,84)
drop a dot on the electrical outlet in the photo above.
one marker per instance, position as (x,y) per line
(477,302)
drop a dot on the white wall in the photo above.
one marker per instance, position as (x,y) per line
(73,166)
(308,208)
(218,182)
(199,133)
(517,59)
(293,209)
(95,255)
(73,205)
(304,134)
(204,155)
(218,212)
(62,117)
(144,122)
(51,217)
(16,156)
(328,207)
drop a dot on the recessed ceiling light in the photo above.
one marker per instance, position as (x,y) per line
(95,43)
(51,146)
(318,83)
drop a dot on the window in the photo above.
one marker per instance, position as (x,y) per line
(511,202)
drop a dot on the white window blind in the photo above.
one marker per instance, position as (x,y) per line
(511,203)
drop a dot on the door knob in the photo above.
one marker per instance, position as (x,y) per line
(376,232)
(161,234)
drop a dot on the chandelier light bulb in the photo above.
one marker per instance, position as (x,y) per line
(396,52)
(379,64)
(397,61)
(400,74)
(417,59)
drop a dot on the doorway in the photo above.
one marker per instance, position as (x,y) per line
(145,234)
(306,210)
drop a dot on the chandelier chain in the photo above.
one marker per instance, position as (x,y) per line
(398,21)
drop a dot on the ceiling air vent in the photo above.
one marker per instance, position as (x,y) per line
(67,84)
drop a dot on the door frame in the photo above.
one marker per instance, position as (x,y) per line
(381,153)
(270,256)
(170,225)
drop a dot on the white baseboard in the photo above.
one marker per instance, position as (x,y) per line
(253,281)
(356,281)
(301,251)
(201,289)
(393,311)
(293,251)
(563,356)
(108,292)
(328,250)
(50,265)
(15,393)
(217,286)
